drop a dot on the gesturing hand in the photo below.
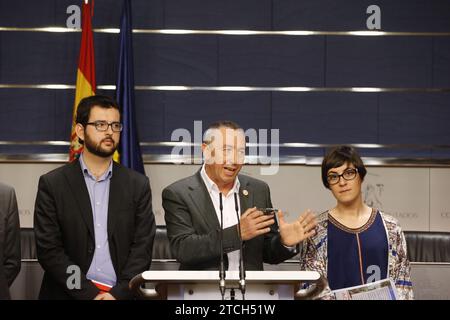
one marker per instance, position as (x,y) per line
(104,296)
(297,231)
(255,223)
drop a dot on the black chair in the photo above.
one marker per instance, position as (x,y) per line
(428,246)
(161,245)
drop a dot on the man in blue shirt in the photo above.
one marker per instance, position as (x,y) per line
(94,222)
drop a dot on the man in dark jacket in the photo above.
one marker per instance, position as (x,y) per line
(9,240)
(94,222)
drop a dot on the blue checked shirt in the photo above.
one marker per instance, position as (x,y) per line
(101,268)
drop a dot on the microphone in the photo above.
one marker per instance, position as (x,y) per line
(241,253)
(222,266)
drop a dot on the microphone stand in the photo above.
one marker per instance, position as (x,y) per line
(241,254)
(222,266)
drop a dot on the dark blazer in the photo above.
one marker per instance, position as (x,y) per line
(64,229)
(9,240)
(194,229)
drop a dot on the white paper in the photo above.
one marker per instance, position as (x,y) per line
(378,290)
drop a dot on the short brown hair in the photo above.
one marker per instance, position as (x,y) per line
(87,103)
(220,124)
(338,156)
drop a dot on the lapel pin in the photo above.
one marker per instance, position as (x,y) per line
(245,192)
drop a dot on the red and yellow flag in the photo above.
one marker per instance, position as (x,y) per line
(86,85)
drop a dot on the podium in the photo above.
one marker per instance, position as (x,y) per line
(204,285)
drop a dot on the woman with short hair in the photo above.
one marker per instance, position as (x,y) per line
(354,243)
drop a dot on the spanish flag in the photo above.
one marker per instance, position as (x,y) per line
(86,85)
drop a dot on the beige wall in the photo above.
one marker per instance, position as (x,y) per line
(418,197)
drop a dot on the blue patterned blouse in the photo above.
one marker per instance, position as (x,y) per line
(357,256)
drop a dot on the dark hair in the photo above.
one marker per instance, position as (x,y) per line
(338,156)
(222,124)
(86,104)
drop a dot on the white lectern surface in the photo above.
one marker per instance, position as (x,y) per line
(192,285)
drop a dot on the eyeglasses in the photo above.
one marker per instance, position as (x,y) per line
(348,174)
(101,125)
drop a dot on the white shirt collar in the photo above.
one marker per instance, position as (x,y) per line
(212,186)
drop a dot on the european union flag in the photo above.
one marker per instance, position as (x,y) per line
(129,150)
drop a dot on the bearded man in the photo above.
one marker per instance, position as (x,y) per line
(93,219)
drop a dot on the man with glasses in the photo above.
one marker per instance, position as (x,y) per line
(93,218)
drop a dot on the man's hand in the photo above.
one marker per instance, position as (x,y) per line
(297,231)
(104,296)
(255,223)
